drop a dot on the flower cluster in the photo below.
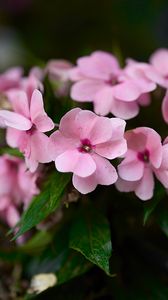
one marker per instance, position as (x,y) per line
(17,187)
(85,142)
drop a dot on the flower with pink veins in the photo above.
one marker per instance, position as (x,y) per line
(99,79)
(159,60)
(84,143)
(58,71)
(17,187)
(143,159)
(26,126)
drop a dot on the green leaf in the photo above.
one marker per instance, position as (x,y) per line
(44,203)
(90,235)
(150,205)
(11,151)
(74,265)
(59,258)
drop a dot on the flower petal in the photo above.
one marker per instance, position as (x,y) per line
(126,91)
(165,107)
(101,130)
(159,59)
(13,137)
(145,187)
(125,186)
(86,89)
(131,169)
(112,149)
(125,110)
(81,164)
(38,115)
(67,124)
(14,120)
(103,101)
(105,173)
(99,65)
(84,185)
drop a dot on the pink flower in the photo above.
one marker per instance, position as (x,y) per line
(143,159)
(17,187)
(159,60)
(27,84)
(99,79)
(58,72)
(26,127)
(10,79)
(82,146)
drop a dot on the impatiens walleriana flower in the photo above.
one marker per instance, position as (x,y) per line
(59,75)
(99,79)
(10,79)
(145,157)
(84,143)
(27,84)
(26,126)
(159,60)
(17,187)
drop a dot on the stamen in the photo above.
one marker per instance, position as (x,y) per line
(86,146)
(144,156)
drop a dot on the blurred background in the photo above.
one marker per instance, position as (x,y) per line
(33,31)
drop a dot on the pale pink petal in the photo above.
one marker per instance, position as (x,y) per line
(4,202)
(13,137)
(85,90)
(144,99)
(105,172)
(84,185)
(84,122)
(112,149)
(75,74)
(38,115)
(59,144)
(125,110)
(19,102)
(162,176)
(159,60)
(153,75)
(31,163)
(154,146)
(136,139)
(67,124)
(58,69)
(99,65)
(14,73)
(145,85)
(165,107)
(101,131)
(81,164)
(164,164)
(24,143)
(118,126)
(126,91)
(40,147)
(12,216)
(145,187)
(131,169)
(14,120)
(125,186)
(103,101)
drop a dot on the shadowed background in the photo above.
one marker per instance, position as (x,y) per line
(31,31)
